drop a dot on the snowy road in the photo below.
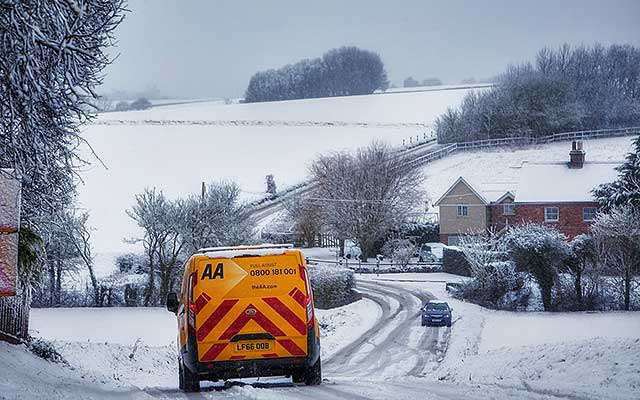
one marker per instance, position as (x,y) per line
(389,361)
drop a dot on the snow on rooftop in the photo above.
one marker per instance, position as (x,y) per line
(492,191)
(556,182)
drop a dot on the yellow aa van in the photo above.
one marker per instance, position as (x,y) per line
(246,312)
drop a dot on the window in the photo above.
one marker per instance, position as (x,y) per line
(589,214)
(453,240)
(508,209)
(463,211)
(551,214)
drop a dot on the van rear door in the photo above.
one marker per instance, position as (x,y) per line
(251,307)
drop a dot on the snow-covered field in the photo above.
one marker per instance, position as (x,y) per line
(175,148)
(394,108)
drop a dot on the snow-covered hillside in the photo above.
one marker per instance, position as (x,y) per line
(175,148)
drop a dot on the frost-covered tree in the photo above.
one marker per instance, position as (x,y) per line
(400,250)
(307,217)
(565,89)
(122,106)
(52,54)
(539,250)
(625,190)
(410,82)
(271,185)
(431,82)
(339,72)
(219,218)
(152,212)
(482,253)
(174,229)
(366,194)
(140,104)
(617,236)
(496,282)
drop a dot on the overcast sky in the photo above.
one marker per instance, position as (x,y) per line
(210,48)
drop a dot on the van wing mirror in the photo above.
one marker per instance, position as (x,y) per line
(172,302)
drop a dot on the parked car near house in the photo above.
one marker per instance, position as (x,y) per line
(426,256)
(352,252)
(436,312)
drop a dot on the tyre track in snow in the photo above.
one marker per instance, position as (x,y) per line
(386,347)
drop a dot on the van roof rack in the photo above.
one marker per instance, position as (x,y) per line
(264,246)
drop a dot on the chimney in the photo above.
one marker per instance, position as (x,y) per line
(576,155)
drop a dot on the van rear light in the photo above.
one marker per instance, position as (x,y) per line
(191,317)
(308,300)
(309,311)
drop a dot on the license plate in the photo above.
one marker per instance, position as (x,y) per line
(435,320)
(252,346)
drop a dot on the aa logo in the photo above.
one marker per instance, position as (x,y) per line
(213,274)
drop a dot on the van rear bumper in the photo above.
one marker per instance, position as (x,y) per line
(250,368)
(237,369)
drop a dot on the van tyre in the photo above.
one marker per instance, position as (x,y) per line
(188,381)
(313,374)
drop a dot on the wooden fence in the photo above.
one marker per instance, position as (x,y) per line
(519,141)
(379,267)
(447,149)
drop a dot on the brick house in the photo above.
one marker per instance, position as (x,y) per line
(554,193)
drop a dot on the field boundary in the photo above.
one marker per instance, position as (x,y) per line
(520,141)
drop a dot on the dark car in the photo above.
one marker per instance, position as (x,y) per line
(436,312)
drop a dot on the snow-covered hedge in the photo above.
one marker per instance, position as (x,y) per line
(332,286)
(504,288)
(454,262)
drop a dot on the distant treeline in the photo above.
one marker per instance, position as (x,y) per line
(571,88)
(339,72)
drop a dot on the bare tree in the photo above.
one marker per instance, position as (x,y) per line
(583,259)
(366,194)
(72,223)
(617,236)
(218,218)
(307,217)
(173,229)
(151,212)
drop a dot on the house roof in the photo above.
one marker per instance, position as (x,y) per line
(556,182)
(464,182)
(488,192)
